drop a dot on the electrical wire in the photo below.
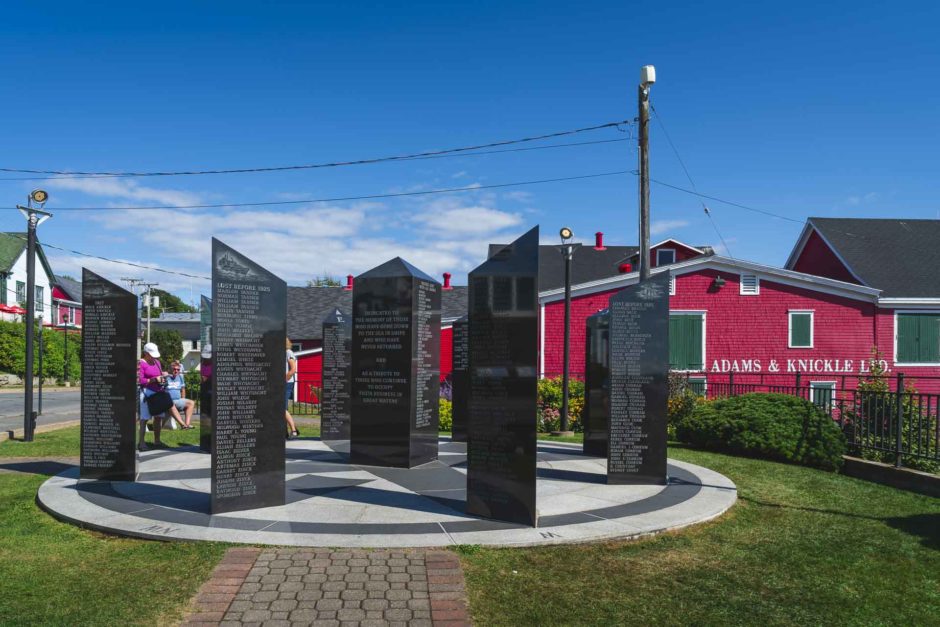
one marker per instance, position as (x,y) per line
(447,156)
(332,164)
(470,188)
(705,208)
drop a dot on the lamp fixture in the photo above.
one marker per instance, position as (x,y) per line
(719,282)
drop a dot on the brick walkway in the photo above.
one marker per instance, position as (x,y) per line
(292,587)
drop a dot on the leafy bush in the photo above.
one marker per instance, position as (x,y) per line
(681,403)
(13,352)
(446,409)
(769,426)
(549,404)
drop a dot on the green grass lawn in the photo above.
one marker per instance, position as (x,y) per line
(801,546)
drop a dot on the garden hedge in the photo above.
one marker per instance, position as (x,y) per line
(770,426)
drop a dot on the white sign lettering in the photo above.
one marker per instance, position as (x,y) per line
(809,366)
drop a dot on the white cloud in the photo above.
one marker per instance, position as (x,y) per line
(476,220)
(658,227)
(127,190)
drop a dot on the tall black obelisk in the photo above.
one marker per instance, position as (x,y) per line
(249,363)
(109,375)
(501,433)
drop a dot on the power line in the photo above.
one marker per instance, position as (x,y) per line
(447,156)
(727,202)
(675,151)
(470,188)
(332,164)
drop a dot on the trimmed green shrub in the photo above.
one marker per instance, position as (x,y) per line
(13,351)
(446,415)
(769,426)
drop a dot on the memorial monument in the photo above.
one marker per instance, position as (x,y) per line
(395,366)
(205,374)
(249,362)
(109,380)
(503,347)
(639,387)
(460,378)
(596,412)
(337,369)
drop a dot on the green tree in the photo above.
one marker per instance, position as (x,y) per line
(327,280)
(169,342)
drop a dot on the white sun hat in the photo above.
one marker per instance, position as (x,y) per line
(151,349)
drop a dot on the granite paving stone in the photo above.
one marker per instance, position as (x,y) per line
(392,588)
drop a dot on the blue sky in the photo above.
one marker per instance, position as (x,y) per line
(796,108)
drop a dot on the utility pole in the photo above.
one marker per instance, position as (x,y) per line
(34,217)
(149,287)
(647,78)
(132,283)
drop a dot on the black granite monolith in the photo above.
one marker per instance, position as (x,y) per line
(596,413)
(501,432)
(460,378)
(337,370)
(396,338)
(639,389)
(249,363)
(109,375)
(205,374)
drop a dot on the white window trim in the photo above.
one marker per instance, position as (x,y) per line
(822,385)
(704,314)
(665,250)
(894,353)
(756,291)
(812,327)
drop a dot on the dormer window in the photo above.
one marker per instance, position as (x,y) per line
(665,256)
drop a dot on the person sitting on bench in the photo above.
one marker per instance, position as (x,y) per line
(176,386)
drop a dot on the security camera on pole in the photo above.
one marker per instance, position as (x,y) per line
(34,217)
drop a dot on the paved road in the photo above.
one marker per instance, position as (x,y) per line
(57,406)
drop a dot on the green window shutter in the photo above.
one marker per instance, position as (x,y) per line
(685,342)
(929,335)
(801,330)
(3,288)
(918,338)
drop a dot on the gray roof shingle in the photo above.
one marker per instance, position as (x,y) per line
(898,256)
(71,287)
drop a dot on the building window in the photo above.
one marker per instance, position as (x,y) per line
(672,285)
(686,341)
(822,394)
(40,301)
(750,285)
(665,256)
(698,385)
(918,338)
(801,329)
(20,292)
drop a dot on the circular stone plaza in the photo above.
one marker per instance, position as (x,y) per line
(331,502)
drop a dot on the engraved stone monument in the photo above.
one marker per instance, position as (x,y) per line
(460,378)
(337,369)
(639,388)
(205,374)
(109,375)
(249,363)
(501,432)
(396,337)
(596,412)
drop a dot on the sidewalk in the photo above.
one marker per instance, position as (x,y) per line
(318,586)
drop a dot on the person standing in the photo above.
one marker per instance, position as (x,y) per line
(289,392)
(150,378)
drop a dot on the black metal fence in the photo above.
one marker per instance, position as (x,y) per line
(884,415)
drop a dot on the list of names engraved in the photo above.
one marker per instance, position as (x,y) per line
(239,367)
(101,435)
(336,393)
(628,409)
(425,372)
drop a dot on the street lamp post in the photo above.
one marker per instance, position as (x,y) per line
(41,351)
(567,249)
(34,217)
